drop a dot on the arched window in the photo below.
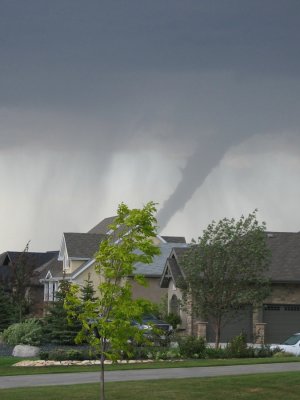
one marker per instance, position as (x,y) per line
(174,305)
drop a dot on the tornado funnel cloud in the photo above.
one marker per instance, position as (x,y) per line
(206,157)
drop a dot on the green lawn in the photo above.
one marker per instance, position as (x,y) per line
(259,387)
(7,369)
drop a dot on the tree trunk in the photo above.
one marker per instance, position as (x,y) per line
(102,392)
(218,332)
(102,389)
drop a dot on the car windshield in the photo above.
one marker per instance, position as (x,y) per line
(292,340)
(149,317)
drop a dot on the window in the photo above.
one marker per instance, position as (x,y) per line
(174,305)
(50,290)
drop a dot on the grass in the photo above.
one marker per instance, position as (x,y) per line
(259,387)
(7,368)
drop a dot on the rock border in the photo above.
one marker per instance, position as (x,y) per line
(48,363)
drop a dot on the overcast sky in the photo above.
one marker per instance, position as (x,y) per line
(193,104)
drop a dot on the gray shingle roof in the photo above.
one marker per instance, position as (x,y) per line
(174,239)
(285,261)
(54,266)
(157,266)
(174,271)
(285,258)
(82,245)
(103,226)
(172,266)
(33,259)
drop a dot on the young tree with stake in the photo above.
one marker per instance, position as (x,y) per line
(107,320)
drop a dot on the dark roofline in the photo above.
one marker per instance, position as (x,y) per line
(173,239)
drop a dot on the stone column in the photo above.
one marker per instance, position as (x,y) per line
(189,317)
(260,329)
(202,329)
(189,324)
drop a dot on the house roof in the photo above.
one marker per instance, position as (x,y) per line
(54,266)
(34,259)
(172,269)
(103,226)
(82,245)
(174,239)
(284,265)
(285,259)
(157,266)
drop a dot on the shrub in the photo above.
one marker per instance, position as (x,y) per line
(237,347)
(63,355)
(192,347)
(173,354)
(220,353)
(44,355)
(76,355)
(173,319)
(57,355)
(140,352)
(283,354)
(27,332)
(264,351)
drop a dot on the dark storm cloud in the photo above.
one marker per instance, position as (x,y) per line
(103,76)
(65,53)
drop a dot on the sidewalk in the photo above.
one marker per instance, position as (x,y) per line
(146,374)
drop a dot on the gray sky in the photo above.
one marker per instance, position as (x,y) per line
(192,104)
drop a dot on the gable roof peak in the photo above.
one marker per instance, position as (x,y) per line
(82,245)
(103,226)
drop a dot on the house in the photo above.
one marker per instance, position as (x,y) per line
(11,261)
(279,315)
(75,263)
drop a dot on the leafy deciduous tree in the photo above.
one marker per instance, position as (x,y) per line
(226,269)
(107,320)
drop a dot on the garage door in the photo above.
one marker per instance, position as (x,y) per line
(241,323)
(282,321)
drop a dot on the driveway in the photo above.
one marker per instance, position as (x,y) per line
(146,374)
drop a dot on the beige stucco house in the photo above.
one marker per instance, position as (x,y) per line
(76,263)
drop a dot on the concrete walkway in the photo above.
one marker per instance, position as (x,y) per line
(146,374)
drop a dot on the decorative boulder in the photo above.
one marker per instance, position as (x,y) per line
(24,350)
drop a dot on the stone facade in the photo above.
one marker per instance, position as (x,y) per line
(284,293)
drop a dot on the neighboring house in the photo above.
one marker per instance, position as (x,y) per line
(30,261)
(279,315)
(76,263)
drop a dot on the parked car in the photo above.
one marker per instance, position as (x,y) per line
(290,345)
(152,326)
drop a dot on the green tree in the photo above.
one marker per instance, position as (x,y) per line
(58,328)
(226,269)
(107,320)
(21,276)
(87,292)
(6,309)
